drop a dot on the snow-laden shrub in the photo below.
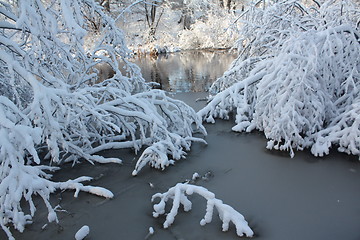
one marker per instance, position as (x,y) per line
(181,25)
(343,131)
(301,87)
(216,31)
(262,33)
(178,193)
(52,104)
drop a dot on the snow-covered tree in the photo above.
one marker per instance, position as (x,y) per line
(212,25)
(52,104)
(297,76)
(187,24)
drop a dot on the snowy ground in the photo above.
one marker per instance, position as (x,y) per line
(282,198)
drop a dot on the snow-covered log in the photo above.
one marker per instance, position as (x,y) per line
(178,193)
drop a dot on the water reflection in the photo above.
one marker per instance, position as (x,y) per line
(189,71)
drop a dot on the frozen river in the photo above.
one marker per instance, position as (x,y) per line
(282,198)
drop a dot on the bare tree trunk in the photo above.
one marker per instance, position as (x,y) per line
(151,19)
(147,16)
(105,4)
(228,5)
(221,3)
(153,14)
(185,18)
(187,22)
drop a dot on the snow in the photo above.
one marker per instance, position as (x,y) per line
(180,25)
(78,186)
(82,232)
(296,78)
(195,176)
(52,104)
(151,232)
(178,194)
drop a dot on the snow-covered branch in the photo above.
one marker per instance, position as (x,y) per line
(297,78)
(178,195)
(343,132)
(53,103)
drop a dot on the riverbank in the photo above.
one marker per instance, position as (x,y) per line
(282,198)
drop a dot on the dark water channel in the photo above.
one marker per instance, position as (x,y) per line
(304,198)
(189,71)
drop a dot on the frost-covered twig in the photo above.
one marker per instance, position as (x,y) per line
(151,232)
(177,193)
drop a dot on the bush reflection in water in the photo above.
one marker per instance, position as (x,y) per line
(189,71)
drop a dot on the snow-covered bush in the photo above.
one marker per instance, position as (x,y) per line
(52,103)
(262,33)
(181,25)
(178,193)
(217,31)
(343,131)
(297,78)
(149,24)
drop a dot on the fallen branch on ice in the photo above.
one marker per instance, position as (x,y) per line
(226,213)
